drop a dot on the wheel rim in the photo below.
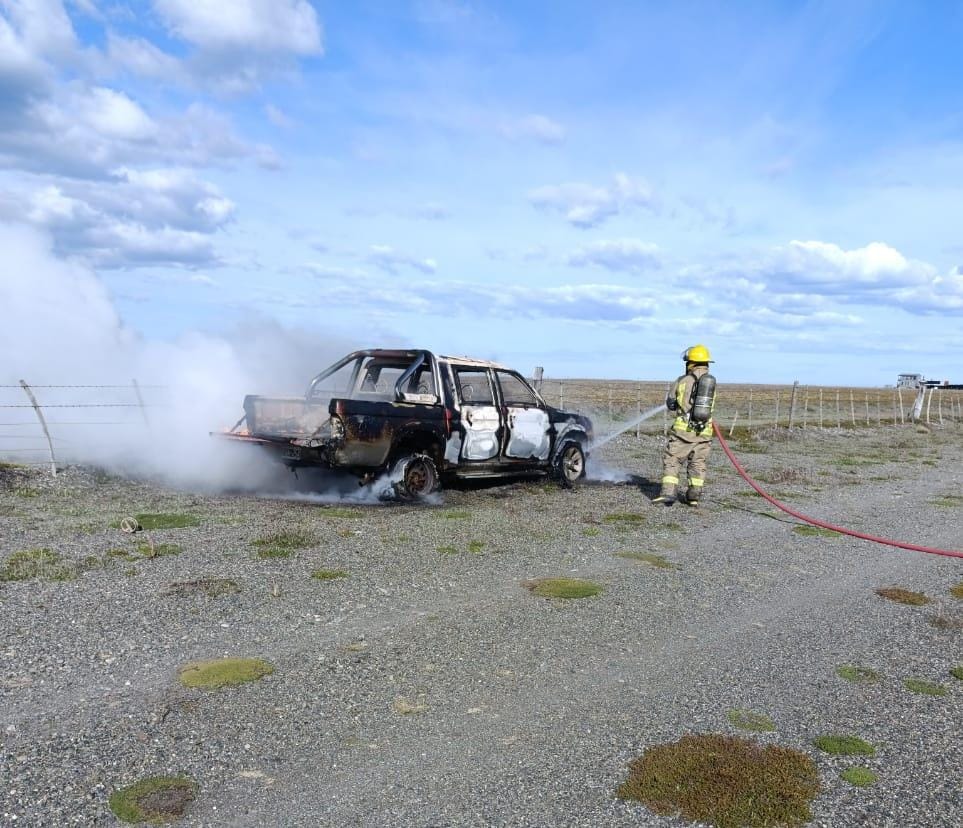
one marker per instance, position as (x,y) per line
(418,477)
(573,463)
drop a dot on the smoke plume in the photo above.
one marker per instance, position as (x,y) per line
(61,327)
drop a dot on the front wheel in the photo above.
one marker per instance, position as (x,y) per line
(415,476)
(570,465)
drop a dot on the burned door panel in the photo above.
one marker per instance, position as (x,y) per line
(528,434)
(528,423)
(480,418)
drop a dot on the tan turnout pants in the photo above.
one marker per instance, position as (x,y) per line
(685,452)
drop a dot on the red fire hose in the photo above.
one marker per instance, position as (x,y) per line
(816,522)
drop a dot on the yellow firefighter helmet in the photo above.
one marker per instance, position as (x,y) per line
(697,353)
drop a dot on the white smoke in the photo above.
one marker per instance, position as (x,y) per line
(60,327)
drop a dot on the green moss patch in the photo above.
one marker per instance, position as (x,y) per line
(156,800)
(957,672)
(950,623)
(903,596)
(948,500)
(840,745)
(658,561)
(40,564)
(624,518)
(957,591)
(808,531)
(209,587)
(157,550)
(447,550)
(725,781)
(750,720)
(857,674)
(223,672)
(926,688)
(859,776)
(591,531)
(283,544)
(329,574)
(454,514)
(562,587)
(475,546)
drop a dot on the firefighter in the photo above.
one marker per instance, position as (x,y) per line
(692,399)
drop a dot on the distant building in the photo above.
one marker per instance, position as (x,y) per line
(909,380)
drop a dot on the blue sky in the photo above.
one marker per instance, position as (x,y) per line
(588,187)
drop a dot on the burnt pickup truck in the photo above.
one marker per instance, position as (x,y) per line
(419,419)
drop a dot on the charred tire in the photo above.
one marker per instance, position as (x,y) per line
(415,476)
(570,465)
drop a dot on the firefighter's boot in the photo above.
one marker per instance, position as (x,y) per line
(667,495)
(693,494)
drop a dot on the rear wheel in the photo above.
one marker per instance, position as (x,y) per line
(415,476)
(570,465)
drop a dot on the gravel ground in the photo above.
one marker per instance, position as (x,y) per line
(520,710)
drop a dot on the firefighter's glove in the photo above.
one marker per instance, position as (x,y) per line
(671,403)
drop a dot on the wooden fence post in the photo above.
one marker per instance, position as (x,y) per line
(749,418)
(852,407)
(839,417)
(902,413)
(43,424)
(867,408)
(638,422)
(561,394)
(733,426)
(806,409)
(140,403)
(820,407)
(776,424)
(792,403)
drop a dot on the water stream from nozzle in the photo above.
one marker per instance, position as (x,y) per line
(626,426)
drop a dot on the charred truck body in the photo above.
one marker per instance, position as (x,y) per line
(420,418)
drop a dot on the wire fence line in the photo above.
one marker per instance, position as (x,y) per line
(23,406)
(612,404)
(755,408)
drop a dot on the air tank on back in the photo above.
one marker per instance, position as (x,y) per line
(702,397)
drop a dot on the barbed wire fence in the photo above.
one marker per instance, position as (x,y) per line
(754,409)
(47,425)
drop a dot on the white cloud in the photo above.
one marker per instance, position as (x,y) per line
(534,127)
(585,205)
(262,26)
(108,113)
(44,27)
(585,302)
(141,57)
(630,255)
(812,277)
(390,260)
(137,217)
